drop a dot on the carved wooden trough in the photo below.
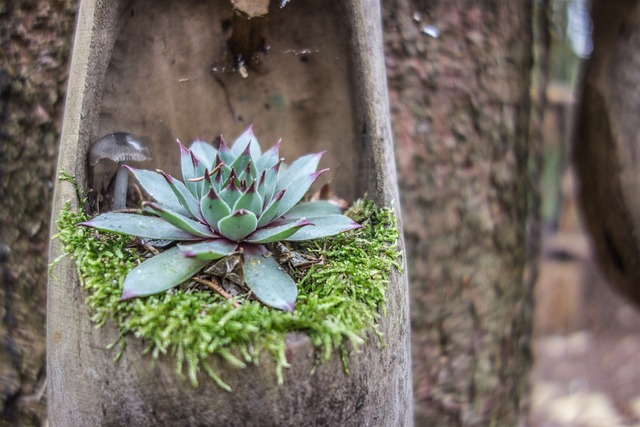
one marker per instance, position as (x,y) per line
(160,70)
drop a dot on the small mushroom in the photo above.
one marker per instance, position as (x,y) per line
(118,147)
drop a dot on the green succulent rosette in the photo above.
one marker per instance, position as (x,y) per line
(233,199)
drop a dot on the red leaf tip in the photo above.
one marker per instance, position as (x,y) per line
(315,175)
(289,306)
(127,294)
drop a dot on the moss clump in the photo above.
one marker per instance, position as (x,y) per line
(339,300)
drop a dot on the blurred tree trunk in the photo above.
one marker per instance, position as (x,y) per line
(606,149)
(36,38)
(459,76)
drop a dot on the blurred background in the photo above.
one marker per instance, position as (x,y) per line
(586,369)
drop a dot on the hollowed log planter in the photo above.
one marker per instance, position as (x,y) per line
(146,67)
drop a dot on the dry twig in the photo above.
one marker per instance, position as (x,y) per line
(215,285)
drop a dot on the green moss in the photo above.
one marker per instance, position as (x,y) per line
(339,301)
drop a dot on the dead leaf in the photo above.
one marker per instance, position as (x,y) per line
(229,268)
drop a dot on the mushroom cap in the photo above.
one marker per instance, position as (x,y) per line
(119,147)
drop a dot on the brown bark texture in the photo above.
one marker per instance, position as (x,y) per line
(460,110)
(34,47)
(606,147)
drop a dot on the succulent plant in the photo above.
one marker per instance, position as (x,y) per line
(233,200)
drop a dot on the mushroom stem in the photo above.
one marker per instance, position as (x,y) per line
(120,189)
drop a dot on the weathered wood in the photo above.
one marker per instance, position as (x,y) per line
(144,67)
(606,147)
(461,105)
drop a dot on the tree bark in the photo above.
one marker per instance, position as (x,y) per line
(460,101)
(606,146)
(35,41)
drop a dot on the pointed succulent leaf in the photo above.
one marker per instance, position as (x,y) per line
(205,152)
(247,139)
(226,156)
(296,191)
(249,173)
(231,193)
(269,214)
(229,175)
(313,209)
(138,225)
(277,231)
(241,162)
(208,180)
(182,222)
(269,283)
(206,184)
(250,200)
(324,226)
(159,273)
(270,180)
(201,184)
(217,178)
(213,209)
(192,168)
(260,187)
(260,181)
(156,186)
(186,163)
(301,167)
(208,250)
(269,158)
(221,176)
(188,203)
(238,225)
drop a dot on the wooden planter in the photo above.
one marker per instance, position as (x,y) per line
(146,67)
